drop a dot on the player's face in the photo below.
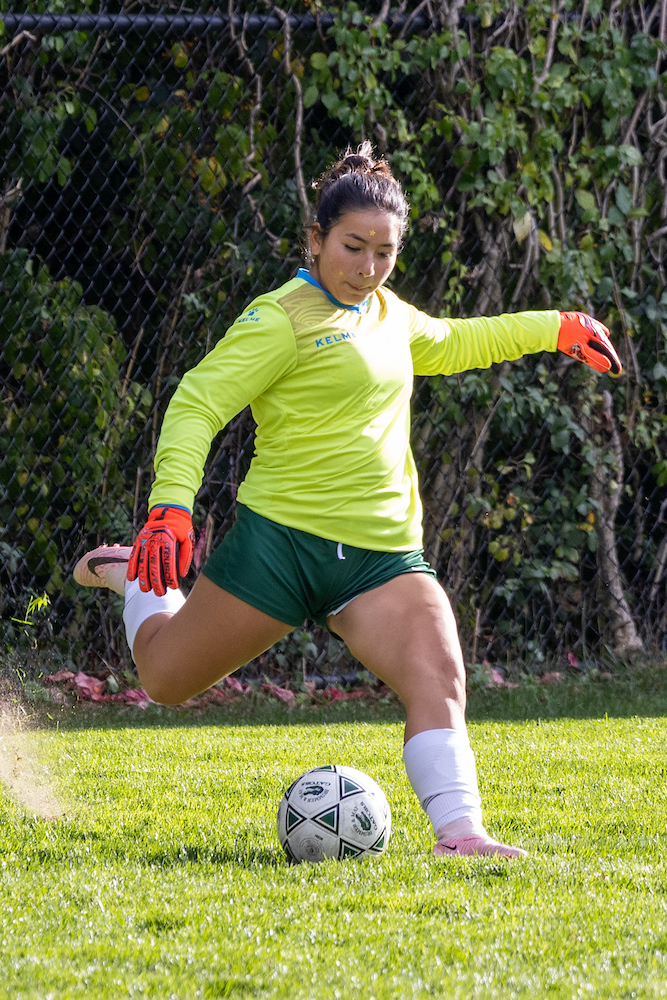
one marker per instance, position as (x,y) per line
(357,255)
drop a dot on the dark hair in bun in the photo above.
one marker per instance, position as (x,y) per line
(358,181)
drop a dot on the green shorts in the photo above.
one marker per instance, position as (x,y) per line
(293,575)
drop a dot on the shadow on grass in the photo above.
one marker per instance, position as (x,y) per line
(83,840)
(629,692)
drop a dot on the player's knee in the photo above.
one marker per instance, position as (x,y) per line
(437,679)
(449,679)
(157,682)
(164,696)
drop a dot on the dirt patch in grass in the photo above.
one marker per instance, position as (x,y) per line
(20,773)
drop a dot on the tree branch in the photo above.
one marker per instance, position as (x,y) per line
(606,488)
(8,198)
(551,43)
(15,41)
(382,16)
(298,123)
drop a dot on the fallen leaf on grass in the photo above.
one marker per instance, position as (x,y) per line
(497,680)
(235,684)
(60,677)
(281,693)
(335,694)
(215,696)
(94,689)
(89,688)
(133,696)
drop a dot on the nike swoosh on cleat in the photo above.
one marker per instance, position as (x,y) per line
(450,847)
(96,561)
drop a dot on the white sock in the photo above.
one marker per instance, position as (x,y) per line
(140,606)
(441,769)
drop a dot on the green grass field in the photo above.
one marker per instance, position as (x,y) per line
(164,878)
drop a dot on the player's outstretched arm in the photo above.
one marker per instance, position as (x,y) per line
(163,549)
(446,346)
(582,337)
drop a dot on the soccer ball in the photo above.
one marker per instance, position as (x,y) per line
(333,812)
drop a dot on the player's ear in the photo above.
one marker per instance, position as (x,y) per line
(316,239)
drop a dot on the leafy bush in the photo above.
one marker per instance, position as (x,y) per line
(68,422)
(531,149)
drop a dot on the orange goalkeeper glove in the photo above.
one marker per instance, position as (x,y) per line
(162,550)
(582,337)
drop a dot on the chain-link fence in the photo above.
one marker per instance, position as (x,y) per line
(154,177)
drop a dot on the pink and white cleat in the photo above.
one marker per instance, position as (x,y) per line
(481,845)
(105,566)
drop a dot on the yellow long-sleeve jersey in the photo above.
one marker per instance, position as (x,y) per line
(329,387)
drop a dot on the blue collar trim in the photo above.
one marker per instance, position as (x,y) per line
(307,276)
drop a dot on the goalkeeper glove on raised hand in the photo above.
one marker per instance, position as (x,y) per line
(582,337)
(163,549)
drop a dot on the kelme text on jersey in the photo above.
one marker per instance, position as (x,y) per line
(335,338)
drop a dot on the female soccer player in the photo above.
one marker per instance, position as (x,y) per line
(328,523)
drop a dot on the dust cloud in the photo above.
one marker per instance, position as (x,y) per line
(20,772)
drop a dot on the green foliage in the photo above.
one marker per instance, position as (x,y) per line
(192,152)
(22,632)
(356,84)
(67,420)
(530,151)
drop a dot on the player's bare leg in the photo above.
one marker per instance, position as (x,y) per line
(181,654)
(214,633)
(405,633)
